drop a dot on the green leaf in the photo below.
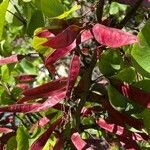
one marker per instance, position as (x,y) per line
(141,51)
(117,100)
(116,7)
(35,23)
(9,17)
(144,85)
(127,75)
(5,73)
(12,143)
(1,92)
(26,1)
(6,99)
(3,9)
(52,8)
(67,13)
(28,67)
(38,4)
(22,139)
(145,115)
(110,62)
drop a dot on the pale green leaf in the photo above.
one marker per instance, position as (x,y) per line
(67,13)
(22,139)
(141,51)
(3,9)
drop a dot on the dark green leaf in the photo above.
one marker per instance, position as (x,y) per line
(128,75)
(145,115)
(116,99)
(37,20)
(144,85)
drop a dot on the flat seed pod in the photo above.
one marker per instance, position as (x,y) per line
(11,59)
(41,141)
(73,74)
(112,37)
(64,38)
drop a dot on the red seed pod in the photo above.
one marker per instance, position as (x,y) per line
(19,107)
(133,93)
(11,59)
(46,88)
(64,38)
(112,37)
(77,141)
(5,130)
(25,78)
(73,73)
(51,101)
(61,52)
(45,34)
(41,141)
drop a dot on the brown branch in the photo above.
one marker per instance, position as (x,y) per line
(130,14)
(99,10)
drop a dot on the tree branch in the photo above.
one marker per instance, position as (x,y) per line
(130,14)
(99,10)
(87,78)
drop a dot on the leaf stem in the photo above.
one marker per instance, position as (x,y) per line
(20,19)
(87,78)
(20,15)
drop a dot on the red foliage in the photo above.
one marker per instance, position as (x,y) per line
(41,141)
(133,93)
(11,59)
(64,38)
(73,74)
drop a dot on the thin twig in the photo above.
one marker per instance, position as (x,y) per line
(20,15)
(20,19)
(87,78)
